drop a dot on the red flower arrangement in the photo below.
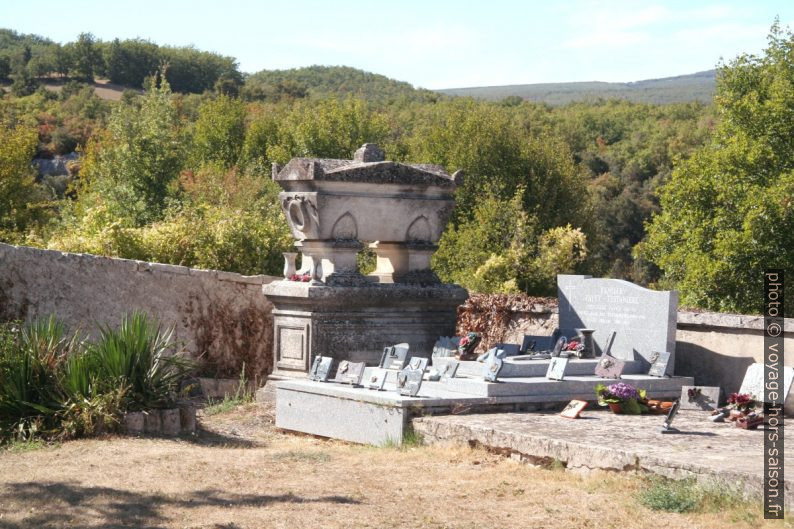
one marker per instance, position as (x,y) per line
(741,402)
(303,278)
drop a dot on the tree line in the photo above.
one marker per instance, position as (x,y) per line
(24,59)
(688,196)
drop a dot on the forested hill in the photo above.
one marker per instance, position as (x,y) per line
(683,88)
(323,81)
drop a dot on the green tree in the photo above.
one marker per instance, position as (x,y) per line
(20,197)
(87,57)
(219,132)
(132,168)
(728,212)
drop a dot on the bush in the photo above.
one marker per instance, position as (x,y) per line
(54,385)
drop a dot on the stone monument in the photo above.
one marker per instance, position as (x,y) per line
(334,208)
(644,320)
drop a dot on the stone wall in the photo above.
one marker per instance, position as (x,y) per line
(221,318)
(712,347)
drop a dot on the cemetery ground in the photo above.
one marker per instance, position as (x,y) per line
(242,472)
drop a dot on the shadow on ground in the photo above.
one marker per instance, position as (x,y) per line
(67,504)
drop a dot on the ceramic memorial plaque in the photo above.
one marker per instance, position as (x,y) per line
(573,409)
(409,380)
(350,372)
(700,398)
(418,362)
(609,367)
(449,370)
(660,364)
(321,368)
(394,357)
(377,379)
(556,370)
(493,365)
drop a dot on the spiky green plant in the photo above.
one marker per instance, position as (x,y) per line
(142,356)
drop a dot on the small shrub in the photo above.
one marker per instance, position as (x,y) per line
(243,395)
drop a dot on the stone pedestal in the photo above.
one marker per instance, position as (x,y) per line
(356,322)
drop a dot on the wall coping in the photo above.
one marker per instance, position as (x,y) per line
(147,267)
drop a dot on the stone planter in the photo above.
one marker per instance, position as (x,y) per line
(170,422)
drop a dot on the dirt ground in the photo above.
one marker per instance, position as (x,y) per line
(242,472)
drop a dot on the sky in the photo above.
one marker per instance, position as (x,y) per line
(433,44)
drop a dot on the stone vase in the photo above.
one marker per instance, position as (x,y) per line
(589,344)
(289,264)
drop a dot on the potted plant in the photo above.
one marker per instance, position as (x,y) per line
(621,398)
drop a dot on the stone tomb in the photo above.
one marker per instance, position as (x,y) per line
(334,208)
(644,320)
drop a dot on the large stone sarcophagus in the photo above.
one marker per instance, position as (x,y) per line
(336,207)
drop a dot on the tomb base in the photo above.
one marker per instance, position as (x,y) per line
(356,322)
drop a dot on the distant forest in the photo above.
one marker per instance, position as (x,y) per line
(175,166)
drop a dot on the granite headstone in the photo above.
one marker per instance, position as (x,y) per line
(645,320)
(753,382)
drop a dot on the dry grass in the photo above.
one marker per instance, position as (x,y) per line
(243,473)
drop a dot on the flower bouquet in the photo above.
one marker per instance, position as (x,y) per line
(303,278)
(467,345)
(622,398)
(740,405)
(574,348)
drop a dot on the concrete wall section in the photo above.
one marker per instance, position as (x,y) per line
(220,317)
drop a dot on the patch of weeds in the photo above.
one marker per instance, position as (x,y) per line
(690,496)
(411,439)
(557,465)
(26,445)
(242,395)
(671,495)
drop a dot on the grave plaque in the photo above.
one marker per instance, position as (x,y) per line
(409,380)
(753,382)
(562,341)
(394,357)
(645,320)
(609,367)
(573,409)
(350,372)
(533,343)
(321,368)
(418,362)
(660,364)
(493,365)
(700,398)
(510,349)
(446,346)
(449,370)
(556,370)
(377,379)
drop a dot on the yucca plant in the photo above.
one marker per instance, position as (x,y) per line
(140,356)
(30,364)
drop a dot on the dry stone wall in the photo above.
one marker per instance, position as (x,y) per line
(222,318)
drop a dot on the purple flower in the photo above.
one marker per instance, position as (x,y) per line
(624,391)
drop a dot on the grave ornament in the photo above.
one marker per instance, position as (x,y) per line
(394,357)
(609,367)
(321,368)
(660,364)
(350,372)
(556,370)
(667,427)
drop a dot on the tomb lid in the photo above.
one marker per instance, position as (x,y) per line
(360,171)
